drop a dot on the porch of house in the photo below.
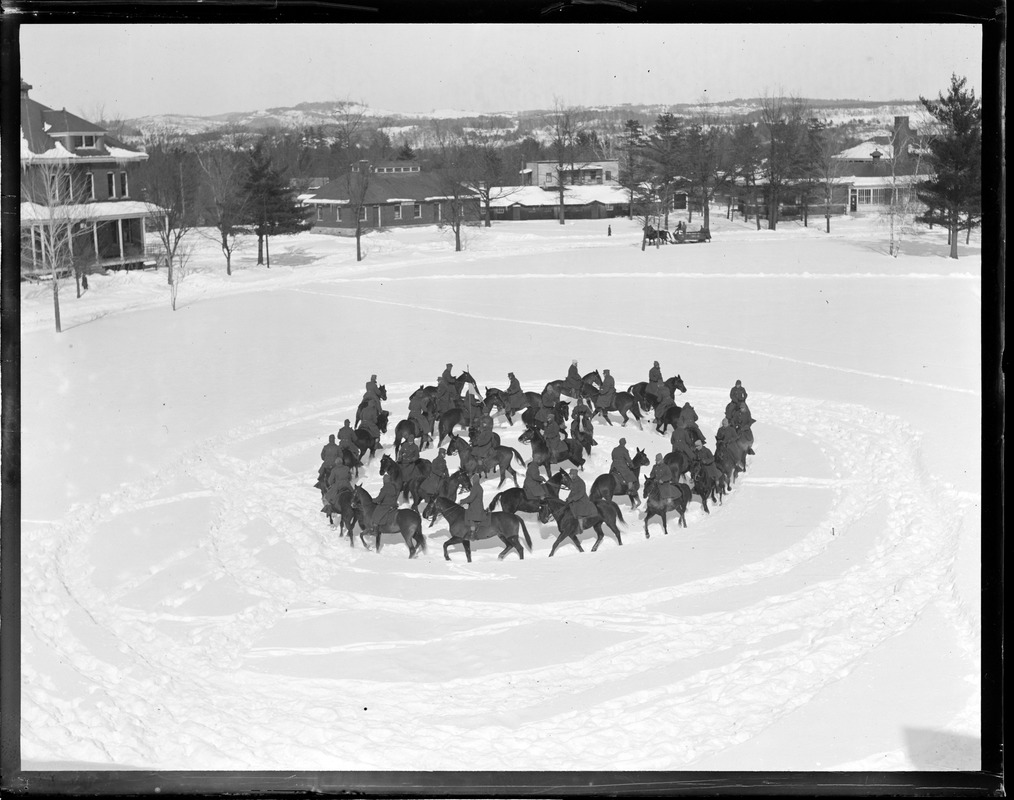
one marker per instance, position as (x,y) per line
(97,246)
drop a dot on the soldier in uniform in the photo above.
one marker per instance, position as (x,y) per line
(664,480)
(574,381)
(417,407)
(407,457)
(330,453)
(534,485)
(475,509)
(580,506)
(387,504)
(346,439)
(607,394)
(433,482)
(515,395)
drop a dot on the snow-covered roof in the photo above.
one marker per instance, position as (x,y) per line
(93,212)
(883,180)
(504,196)
(864,151)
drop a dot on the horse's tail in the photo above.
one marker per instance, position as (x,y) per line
(517,455)
(495,500)
(524,530)
(616,510)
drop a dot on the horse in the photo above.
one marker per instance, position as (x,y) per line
(610,485)
(624,404)
(347,516)
(405,431)
(644,395)
(566,522)
(650,233)
(408,488)
(514,500)
(678,461)
(449,488)
(657,507)
(500,524)
(542,456)
(449,420)
(406,522)
(671,417)
(590,381)
(665,236)
(348,458)
(705,487)
(365,440)
(561,411)
(501,455)
(362,404)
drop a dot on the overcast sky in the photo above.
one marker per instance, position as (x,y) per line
(135,70)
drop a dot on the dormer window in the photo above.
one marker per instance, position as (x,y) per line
(83,142)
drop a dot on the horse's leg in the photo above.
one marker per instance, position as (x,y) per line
(468,550)
(577,542)
(556,544)
(599,536)
(647,515)
(448,543)
(508,547)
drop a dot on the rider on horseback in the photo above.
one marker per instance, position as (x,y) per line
(433,482)
(482,445)
(623,466)
(407,457)
(346,439)
(370,419)
(372,390)
(330,453)
(664,481)
(607,394)
(552,436)
(475,511)
(704,462)
(417,407)
(738,394)
(515,395)
(580,506)
(534,486)
(386,504)
(574,381)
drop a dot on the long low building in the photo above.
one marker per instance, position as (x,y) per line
(579,202)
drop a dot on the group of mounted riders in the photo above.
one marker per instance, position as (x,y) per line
(690,467)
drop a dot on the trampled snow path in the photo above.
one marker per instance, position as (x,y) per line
(248,631)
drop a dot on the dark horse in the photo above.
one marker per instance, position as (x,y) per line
(406,431)
(657,507)
(644,395)
(623,404)
(514,500)
(501,456)
(590,381)
(406,522)
(501,523)
(610,485)
(542,456)
(408,488)
(567,524)
(347,517)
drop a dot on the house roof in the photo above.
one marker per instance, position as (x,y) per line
(41,126)
(864,151)
(417,187)
(90,212)
(533,196)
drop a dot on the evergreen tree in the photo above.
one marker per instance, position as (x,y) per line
(955,156)
(271,202)
(406,153)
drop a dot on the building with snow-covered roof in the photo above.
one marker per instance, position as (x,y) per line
(389,199)
(579,202)
(77,179)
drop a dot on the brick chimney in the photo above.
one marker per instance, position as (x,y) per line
(25,89)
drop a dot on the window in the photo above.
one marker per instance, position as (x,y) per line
(337,214)
(123,184)
(362,213)
(110,184)
(864,196)
(90,185)
(66,187)
(128,231)
(82,141)
(438,211)
(499,211)
(417,211)
(320,213)
(609,175)
(397,212)
(115,228)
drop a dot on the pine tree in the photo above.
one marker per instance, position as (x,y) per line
(272,203)
(956,159)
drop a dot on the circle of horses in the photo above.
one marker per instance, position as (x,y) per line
(456,403)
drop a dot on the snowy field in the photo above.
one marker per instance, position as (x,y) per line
(186,606)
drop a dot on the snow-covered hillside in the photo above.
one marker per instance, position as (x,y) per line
(186,606)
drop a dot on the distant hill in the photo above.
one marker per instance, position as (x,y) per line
(418,129)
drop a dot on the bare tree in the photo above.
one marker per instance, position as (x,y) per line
(487,174)
(783,120)
(57,206)
(169,184)
(707,156)
(357,184)
(903,205)
(182,255)
(349,118)
(225,201)
(827,167)
(564,147)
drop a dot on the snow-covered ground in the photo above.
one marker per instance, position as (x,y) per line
(186,606)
